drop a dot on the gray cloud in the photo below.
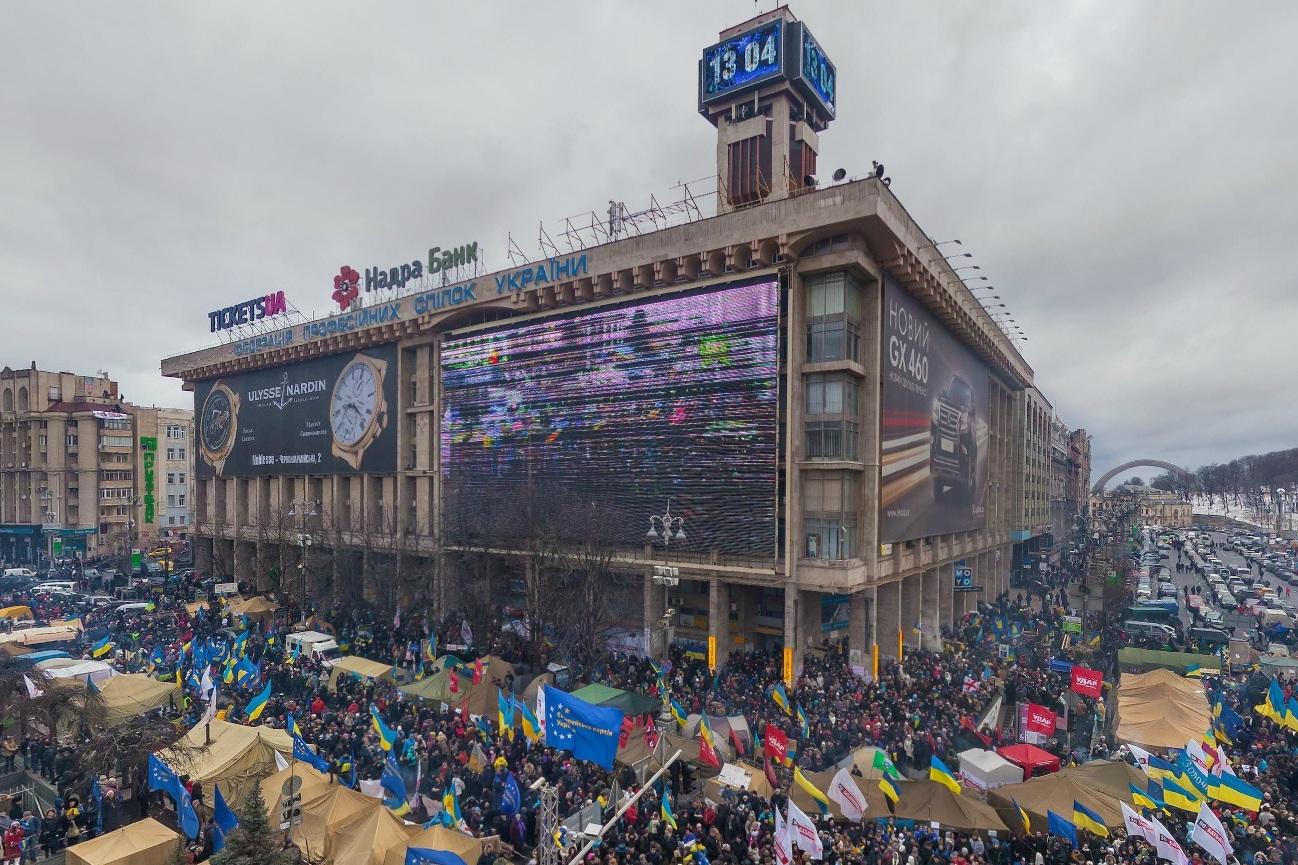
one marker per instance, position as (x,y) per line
(1124,173)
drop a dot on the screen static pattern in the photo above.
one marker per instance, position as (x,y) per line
(620,411)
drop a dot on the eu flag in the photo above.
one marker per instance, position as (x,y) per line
(589,732)
(1057,825)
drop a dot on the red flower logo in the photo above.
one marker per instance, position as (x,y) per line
(346,286)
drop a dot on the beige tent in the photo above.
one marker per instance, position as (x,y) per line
(1096,788)
(320,816)
(133,694)
(929,801)
(466,847)
(361,668)
(232,755)
(313,785)
(1161,710)
(862,761)
(874,798)
(753,778)
(367,838)
(146,842)
(258,609)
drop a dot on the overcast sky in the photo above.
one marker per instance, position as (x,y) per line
(1126,173)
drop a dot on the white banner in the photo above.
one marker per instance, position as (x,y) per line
(1209,834)
(540,709)
(1137,826)
(783,843)
(1168,847)
(844,791)
(804,832)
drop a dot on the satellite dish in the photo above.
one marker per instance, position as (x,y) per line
(291,787)
(809,180)
(840,174)
(878,169)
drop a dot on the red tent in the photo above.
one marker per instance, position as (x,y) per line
(1033,760)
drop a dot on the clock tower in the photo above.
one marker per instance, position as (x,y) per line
(770,91)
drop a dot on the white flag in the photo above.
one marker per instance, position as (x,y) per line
(206,686)
(1209,834)
(1141,755)
(783,843)
(32,691)
(1168,848)
(1194,750)
(540,710)
(466,633)
(1137,826)
(280,763)
(804,832)
(844,791)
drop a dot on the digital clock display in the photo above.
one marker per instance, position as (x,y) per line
(818,72)
(746,60)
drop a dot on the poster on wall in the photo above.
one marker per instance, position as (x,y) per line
(934,426)
(652,422)
(330,415)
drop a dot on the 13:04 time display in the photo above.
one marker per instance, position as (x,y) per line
(747,59)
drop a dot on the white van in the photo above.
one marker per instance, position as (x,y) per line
(313,644)
(19,572)
(1150,629)
(64,586)
(132,607)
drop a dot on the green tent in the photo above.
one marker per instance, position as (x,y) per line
(630,703)
(1131,659)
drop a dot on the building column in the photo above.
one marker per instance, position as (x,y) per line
(930,612)
(809,633)
(945,597)
(202,554)
(859,632)
(791,624)
(912,588)
(653,611)
(888,617)
(719,617)
(245,561)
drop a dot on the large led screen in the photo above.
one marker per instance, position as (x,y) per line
(330,415)
(934,426)
(620,413)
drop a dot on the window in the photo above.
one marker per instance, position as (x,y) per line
(116,423)
(72,440)
(180,453)
(182,519)
(116,441)
(175,431)
(171,453)
(43,440)
(831,426)
(180,478)
(171,477)
(171,521)
(180,500)
(829,515)
(833,318)
(171,501)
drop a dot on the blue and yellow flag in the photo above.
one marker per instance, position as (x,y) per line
(803,723)
(1023,817)
(227,676)
(1142,799)
(822,801)
(668,816)
(678,714)
(1159,769)
(937,771)
(1177,796)
(1291,714)
(451,808)
(1273,706)
(101,648)
(890,789)
(387,736)
(780,697)
(1085,818)
(1233,791)
(290,724)
(1056,825)
(505,714)
(258,703)
(531,727)
(1156,794)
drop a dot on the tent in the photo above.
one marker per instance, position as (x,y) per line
(466,847)
(361,668)
(739,776)
(232,755)
(1094,787)
(1112,777)
(257,609)
(987,770)
(861,761)
(931,802)
(71,668)
(312,785)
(366,838)
(146,842)
(1132,659)
(336,806)
(1161,710)
(629,702)
(876,804)
(1031,759)
(131,694)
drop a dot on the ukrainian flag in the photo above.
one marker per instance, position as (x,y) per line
(822,801)
(1233,791)
(780,697)
(531,727)
(1291,714)
(101,648)
(1142,799)
(1156,793)
(505,714)
(1085,818)
(668,816)
(1222,735)
(1159,769)
(292,726)
(1178,797)
(937,771)
(228,675)
(889,788)
(803,722)
(387,736)
(678,713)
(258,703)
(1023,816)
(451,807)
(1273,708)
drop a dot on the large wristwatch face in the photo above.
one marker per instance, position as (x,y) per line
(217,423)
(355,402)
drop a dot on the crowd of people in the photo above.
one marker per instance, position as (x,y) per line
(928,704)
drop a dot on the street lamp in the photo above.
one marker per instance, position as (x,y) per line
(666,527)
(303,510)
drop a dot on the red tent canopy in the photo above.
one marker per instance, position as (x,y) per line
(1033,760)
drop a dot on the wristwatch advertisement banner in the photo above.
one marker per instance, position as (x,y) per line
(319,417)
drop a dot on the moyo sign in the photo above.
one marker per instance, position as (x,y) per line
(250,310)
(377,278)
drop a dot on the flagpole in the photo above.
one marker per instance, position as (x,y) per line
(620,811)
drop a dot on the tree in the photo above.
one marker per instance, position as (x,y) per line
(1136,481)
(253,842)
